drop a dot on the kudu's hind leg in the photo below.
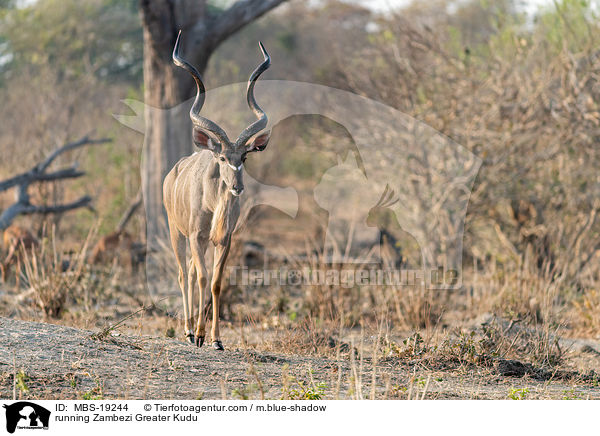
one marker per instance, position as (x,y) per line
(221,252)
(191,278)
(178,243)
(198,248)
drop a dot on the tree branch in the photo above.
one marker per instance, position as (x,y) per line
(14,181)
(237,16)
(32,176)
(137,202)
(66,173)
(58,208)
(68,147)
(38,173)
(28,209)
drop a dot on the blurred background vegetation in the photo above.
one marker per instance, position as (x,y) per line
(518,85)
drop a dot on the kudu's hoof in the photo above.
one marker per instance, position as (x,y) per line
(218,345)
(199,341)
(190,337)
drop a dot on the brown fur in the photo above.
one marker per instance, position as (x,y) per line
(116,244)
(219,228)
(201,208)
(201,197)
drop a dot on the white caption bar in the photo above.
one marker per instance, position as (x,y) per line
(298,417)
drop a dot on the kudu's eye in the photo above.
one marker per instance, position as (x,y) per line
(222,159)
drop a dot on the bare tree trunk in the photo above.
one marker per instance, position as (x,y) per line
(168,132)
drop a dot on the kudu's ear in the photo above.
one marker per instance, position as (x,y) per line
(259,143)
(203,141)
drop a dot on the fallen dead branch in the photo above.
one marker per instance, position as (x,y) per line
(39,174)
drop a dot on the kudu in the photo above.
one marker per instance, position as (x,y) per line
(201,195)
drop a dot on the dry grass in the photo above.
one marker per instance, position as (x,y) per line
(531,237)
(52,275)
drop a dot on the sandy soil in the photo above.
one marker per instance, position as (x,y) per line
(63,362)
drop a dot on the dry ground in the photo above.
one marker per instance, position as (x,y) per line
(46,361)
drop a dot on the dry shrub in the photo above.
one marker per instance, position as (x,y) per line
(543,348)
(53,275)
(494,340)
(416,307)
(406,306)
(308,337)
(523,98)
(510,340)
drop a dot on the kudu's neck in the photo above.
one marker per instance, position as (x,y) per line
(217,195)
(222,203)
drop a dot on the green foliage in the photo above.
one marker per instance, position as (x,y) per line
(217,6)
(287,41)
(295,389)
(518,394)
(411,347)
(421,381)
(91,395)
(97,37)
(305,392)
(465,347)
(571,394)
(301,166)
(568,23)
(95,393)
(21,380)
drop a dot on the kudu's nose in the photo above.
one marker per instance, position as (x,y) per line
(237,191)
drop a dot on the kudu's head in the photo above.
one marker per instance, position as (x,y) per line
(207,135)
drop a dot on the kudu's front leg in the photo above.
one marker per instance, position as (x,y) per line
(221,252)
(198,248)
(179,247)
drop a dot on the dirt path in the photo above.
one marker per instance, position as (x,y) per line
(61,362)
(66,362)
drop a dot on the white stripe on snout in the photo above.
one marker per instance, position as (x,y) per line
(234,167)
